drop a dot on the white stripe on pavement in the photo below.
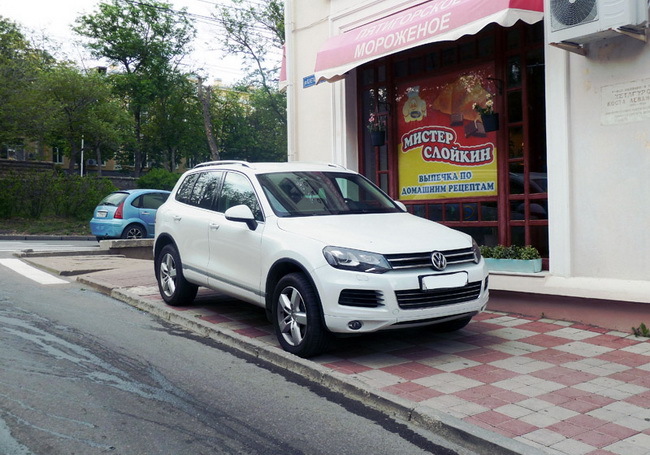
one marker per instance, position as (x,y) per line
(31,272)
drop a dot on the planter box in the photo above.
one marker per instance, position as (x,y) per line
(514,265)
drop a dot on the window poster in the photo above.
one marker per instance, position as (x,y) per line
(446,148)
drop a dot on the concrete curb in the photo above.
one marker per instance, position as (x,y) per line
(454,429)
(47,237)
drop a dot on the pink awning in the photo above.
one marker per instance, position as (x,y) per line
(428,22)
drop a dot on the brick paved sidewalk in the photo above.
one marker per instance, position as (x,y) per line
(561,387)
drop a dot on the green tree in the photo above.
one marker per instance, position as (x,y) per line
(254,32)
(147,40)
(79,106)
(175,129)
(247,126)
(20,65)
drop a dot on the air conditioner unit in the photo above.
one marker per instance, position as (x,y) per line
(577,22)
(91,162)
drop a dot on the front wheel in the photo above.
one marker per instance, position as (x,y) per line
(174,288)
(297,317)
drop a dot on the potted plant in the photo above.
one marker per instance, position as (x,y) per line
(377,128)
(513,258)
(489,118)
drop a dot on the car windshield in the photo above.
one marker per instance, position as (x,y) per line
(114,199)
(293,194)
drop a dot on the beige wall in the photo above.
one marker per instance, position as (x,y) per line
(598,192)
(599,163)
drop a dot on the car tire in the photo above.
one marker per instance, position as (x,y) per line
(134,231)
(174,288)
(297,317)
(452,326)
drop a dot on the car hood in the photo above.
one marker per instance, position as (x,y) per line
(386,233)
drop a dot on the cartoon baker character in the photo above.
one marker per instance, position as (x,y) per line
(415,108)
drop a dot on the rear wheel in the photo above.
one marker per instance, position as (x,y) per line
(134,231)
(174,288)
(297,317)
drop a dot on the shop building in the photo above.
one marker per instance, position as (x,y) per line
(401,91)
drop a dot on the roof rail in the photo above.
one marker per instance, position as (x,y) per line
(223,162)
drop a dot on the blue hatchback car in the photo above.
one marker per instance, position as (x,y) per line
(128,214)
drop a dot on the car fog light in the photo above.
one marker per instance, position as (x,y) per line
(355,325)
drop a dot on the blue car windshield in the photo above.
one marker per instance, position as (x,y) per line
(294,194)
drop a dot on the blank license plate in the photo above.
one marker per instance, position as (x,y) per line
(453,280)
(101,214)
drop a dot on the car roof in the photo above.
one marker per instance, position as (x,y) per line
(258,168)
(142,190)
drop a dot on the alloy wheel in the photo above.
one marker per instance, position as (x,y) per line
(292,316)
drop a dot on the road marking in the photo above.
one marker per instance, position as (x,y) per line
(30,272)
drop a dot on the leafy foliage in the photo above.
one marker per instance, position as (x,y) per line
(20,64)
(641,331)
(147,40)
(144,110)
(254,32)
(39,194)
(510,252)
(159,179)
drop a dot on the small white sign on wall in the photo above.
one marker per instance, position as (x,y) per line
(625,103)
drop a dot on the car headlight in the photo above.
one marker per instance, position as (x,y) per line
(477,251)
(359,261)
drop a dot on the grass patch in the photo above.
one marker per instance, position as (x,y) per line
(45,226)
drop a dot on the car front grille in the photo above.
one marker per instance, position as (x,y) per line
(416,299)
(361,298)
(418,260)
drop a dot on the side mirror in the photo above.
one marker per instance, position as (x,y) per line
(242,213)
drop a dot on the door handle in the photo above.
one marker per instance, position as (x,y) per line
(214,226)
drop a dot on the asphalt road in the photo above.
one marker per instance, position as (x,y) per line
(81,373)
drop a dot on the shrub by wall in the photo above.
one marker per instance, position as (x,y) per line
(34,195)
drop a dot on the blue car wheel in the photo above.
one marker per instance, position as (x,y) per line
(134,231)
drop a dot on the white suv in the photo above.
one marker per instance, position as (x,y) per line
(320,247)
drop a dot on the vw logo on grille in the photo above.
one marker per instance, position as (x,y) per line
(439,260)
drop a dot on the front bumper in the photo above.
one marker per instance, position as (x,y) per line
(389,310)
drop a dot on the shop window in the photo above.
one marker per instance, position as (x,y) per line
(514,107)
(452,212)
(513,38)
(467,52)
(489,211)
(401,68)
(419,210)
(433,61)
(486,47)
(416,65)
(511,60)
(381,74)
(448,57)
(514,72)
(435,212)
(515,142)
(368,76)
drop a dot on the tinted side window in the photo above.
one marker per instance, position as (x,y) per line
(206,188)
(185,190)
(237,190)
(152,200)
